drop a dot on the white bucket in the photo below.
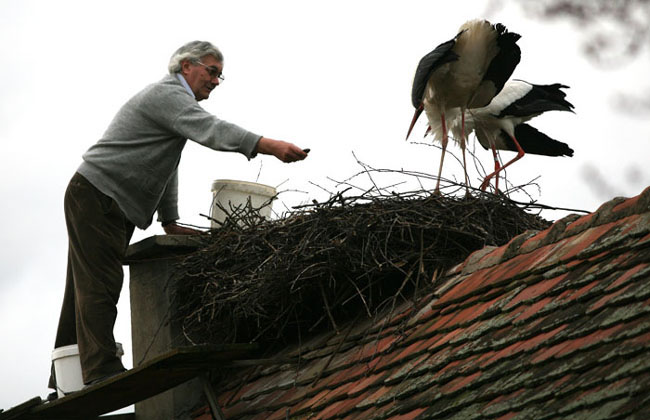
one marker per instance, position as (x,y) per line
(67,368)
(233,195)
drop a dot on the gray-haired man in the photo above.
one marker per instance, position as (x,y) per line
(127,176)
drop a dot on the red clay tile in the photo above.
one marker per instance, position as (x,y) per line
(294,395)
(367,382)
(627,204)
(506,397)
(588,340)
(444,340)
(244,390)
(603,301)
(537,340)
(461,382)
(404,370)
(383,361)
(496,254)
(534,309)
(582,223)
(541,255)
(440,323)
(342,376)
(375,347)
(485,359)
(409,416)
(513,267)
(225,397)
(641,339)
(563,380)
(545,354)
(271,398)
(413,348)
(533,242)
(632,224)
(583,290)
(573,263)
(508,416)
(338,408)
(313,401)
(374,396)
(626,275)
(476,260)
(204,415)
(644,239)
(469,285)
(239,407)
(535,290)
(565,295)
(422,315)
(585,239)
(280,414)
(365,414)
(266,415)
(522,346)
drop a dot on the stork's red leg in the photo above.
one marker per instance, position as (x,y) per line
(520,154)
(462,147)
(497,167)
(445,139)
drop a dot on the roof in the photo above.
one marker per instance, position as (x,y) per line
(553,324)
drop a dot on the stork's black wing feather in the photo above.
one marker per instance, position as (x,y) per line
(535,142)
(428,64)
(506,60)
(540,98)
(500,68)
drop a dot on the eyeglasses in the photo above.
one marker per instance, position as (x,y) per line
(213,71)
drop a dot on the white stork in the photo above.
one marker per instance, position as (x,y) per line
(464,72)
(500,125)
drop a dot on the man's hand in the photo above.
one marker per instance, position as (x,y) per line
(174,229)
(282,150)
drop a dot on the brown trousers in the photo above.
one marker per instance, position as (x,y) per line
(98,234)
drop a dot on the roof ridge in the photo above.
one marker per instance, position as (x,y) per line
(568,226)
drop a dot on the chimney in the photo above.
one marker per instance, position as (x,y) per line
(154,330)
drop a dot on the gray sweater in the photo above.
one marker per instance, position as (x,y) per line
(135,162)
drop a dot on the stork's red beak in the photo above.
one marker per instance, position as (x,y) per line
(418,111)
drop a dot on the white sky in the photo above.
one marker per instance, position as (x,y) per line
(332,75)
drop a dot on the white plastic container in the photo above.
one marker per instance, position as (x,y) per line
(232,195)
(67,368)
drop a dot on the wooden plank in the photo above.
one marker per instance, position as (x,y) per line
(151,378)
(17,411)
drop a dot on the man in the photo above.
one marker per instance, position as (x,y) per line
(126,177)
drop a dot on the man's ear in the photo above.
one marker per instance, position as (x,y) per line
(185,66)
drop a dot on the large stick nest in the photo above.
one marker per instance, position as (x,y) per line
(322,264)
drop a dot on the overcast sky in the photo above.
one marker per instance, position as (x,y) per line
(334,76)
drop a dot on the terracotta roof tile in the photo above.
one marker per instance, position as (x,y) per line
(554,324)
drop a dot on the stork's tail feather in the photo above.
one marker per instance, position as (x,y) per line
(535,142)
(540,98)
(556,95)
